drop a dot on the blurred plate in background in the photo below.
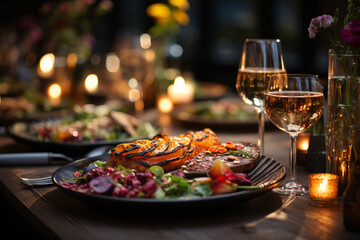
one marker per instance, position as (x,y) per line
(224,114)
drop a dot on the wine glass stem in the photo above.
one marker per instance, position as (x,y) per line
(293,138)
(261,130)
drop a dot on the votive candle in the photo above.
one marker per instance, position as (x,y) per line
(164,104)
(323,189)
(181,92)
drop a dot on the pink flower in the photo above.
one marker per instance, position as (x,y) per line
(351,33)
(319,23)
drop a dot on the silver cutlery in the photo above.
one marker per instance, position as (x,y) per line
(43,181)
(34,158)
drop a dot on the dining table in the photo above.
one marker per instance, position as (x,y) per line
(46,212)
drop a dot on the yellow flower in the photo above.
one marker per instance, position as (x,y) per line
(182,4)
(159,11)
(181,17)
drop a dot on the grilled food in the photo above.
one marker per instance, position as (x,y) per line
(168,152)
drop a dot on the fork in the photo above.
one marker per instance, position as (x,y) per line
(42,181)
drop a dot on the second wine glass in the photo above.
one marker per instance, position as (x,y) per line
(294,102)
(261,58)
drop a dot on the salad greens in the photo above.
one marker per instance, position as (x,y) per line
(89,125)
(154,183)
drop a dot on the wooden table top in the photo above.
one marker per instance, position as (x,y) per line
(56,215)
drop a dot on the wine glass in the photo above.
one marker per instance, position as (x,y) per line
(260,59)
(294,102)
(133,70)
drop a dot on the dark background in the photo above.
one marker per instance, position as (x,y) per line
(213,39)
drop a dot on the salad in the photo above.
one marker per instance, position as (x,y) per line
(223,109)
(88,125)
(97,178)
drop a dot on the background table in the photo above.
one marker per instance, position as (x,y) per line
(47,212)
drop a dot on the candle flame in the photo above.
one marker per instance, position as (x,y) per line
(54,90)
(47,62)
(91,83)
(304,145)
(303,141)
(323,185)
(165,105)
(179,82)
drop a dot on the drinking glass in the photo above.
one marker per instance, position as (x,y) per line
(260,59)
(133,70)
(294,102)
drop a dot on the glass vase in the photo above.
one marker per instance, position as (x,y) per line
(343,117)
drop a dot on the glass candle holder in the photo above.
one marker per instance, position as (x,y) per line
(323,189)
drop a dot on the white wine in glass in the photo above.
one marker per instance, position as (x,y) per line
(294,103)
(261,58)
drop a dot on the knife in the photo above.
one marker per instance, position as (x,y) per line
(34,158)
(46,158)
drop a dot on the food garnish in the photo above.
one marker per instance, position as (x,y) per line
(96,178)
(234,149)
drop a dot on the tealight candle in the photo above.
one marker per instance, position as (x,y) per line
(91,83)
(323,189)
(54,93)
(164,104)
(302,146)
(181,92)
(45,69)
(303,141)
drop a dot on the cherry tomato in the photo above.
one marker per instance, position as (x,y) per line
(230,145)
(217,149)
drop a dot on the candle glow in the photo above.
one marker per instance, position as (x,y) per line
(54,93)
(164,105)
(323,185)
(303,141)
(323,189)
(91,83)
(45,68)
(180,92)
(54,90)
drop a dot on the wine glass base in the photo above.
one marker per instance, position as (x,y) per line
(291,188)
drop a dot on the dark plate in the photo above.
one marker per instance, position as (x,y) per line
(267,174)
(70,149)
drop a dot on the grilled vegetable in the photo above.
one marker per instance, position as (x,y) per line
(168,152)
